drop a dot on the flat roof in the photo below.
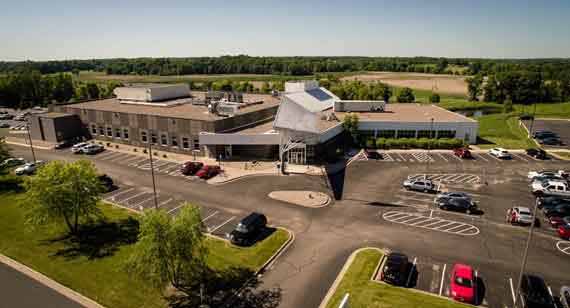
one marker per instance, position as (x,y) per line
(417,113)
(52,115)
(183,111)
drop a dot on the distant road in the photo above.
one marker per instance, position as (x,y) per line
(19,290)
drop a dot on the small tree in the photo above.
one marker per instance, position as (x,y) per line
(350,124)
(170,250)
(63,192)
(434,98)
(406,95)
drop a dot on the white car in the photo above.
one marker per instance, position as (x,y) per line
(547,173)
(551,188)
(519,215)
(10,162)
(77,148)
(92,149)
(500,153)
(28,168)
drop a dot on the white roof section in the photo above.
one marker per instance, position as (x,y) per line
(314,100)
(293,116)
(152,93)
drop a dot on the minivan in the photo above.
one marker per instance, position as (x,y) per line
(248,229)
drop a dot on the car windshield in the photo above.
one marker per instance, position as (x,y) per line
(524,212)
(241,228)
(463,282)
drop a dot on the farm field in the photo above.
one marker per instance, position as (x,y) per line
(418,81)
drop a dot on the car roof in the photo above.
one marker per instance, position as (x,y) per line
(522,208)
(463,270)
(396,257)
(251,218)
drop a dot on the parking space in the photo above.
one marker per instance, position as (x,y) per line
(560,127)
(432,223)
(449,158)
(216,222)
(449,178)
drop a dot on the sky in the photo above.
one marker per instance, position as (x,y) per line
(79,29)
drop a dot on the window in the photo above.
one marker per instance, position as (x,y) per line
(446,134)
(101,131)
(153,138)
(118,133)
(144,137)
(109,131)
(425,134)
(185,143)
(406,134)
(163,139)
(93,129)
(126,133)
(386,133)
(196,144)
(174,141)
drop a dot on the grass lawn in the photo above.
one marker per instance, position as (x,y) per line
(544,110)
(563,155)
(366,293)
(504,131)
(102,278)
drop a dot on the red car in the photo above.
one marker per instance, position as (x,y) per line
(557,221)
(463,283)
(462,153)
(208,172)
(564,232)
(191,167)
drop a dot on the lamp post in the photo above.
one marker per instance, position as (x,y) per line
(152,173)
(30,138)
(525,253)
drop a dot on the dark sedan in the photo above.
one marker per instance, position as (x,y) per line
(396,269)
(456,204)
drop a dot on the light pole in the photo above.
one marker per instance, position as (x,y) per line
(532,121)
(30,138)
(525,253)
(430,141)
(152,173)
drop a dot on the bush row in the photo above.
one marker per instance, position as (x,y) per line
(412,143)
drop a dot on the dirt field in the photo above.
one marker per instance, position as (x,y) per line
(439,83)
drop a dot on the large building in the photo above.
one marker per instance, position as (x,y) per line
(300,125)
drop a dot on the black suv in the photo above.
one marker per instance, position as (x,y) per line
(396,269)
(457,204)
(534,293)
(106,182)
(248,229)
(536,153)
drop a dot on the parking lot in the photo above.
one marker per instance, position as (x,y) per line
(216,222)
(560,127)
(438,157)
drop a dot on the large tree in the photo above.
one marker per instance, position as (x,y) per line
(406,95)
(63,193)
(474,87)
(170,250)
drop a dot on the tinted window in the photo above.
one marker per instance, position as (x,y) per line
(463,282)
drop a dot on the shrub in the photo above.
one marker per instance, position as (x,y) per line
(163,155)
(422,143)
(370,143)
(434,98)
(135,150)
(381,143)
(145,151)
(116,146)
(108,144)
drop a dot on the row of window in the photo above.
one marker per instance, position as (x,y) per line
(123,133)
(416,134)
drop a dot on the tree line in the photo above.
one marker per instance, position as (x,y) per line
(520,87)
(31,88)
(294,66)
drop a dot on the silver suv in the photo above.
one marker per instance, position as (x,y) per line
(420,185)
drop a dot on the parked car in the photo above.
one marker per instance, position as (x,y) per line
(65,144)
(534,292)
(208,172)
(560,174)
(457,204)
(77,148)
(550,202)
(463,284)
(462,153)
(536,153)
(557,221)
(191,167)
(11,162)
(92,148)
(561,210)
(565,296)
(541,134)
(28,168)
(4,125)
(519,215)
(500,153)
(453,194)
(248,229)
(420,185)
(396,269)
(556,188)
(372,155)
(550,141)
(564,232)
(107,182)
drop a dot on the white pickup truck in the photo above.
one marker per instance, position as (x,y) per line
(555,188)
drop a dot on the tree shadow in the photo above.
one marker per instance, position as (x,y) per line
(232,287)
(483,141)
(98,239)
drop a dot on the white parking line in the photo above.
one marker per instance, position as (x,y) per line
(390,158)
(414,218)
(442,277)
(108,153)
(431,223)
(401,157)
(136,164)
(441,225)
(564,247)
(145,200)
(449,223)
(400,219)
(209,216)
(521,157)
(174,209)
(512,291)
(411,271)
(169,169)
(459,226)
(131,197)
(130,160)
(393,214)
(120,157)
(122,192)
(165,202)
(462,231)
(443,157)
(454,156)
(494,157)
(482,157)
(113,155)
(216,228)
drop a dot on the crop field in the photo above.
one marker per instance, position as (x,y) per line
(450,84)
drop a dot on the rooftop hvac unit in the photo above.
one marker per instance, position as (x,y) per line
(225,109)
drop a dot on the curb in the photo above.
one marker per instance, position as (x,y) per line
(341,274)
(241,177)
(27,145)
(50,283)
(323,204)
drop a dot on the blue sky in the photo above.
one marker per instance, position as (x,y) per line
(72,29)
